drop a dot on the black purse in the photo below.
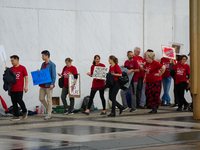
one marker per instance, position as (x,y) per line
(61,80)
(123,79)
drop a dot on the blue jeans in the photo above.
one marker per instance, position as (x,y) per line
(166,86)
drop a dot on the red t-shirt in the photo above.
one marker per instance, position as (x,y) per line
(151,70)
(165,61)
(44,67)
(20,73)
(115,69)
(68,70)
(132,65)
(139,60)
(181,72)
(97,82)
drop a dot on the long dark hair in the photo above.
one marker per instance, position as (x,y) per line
(94,63)
(115,59)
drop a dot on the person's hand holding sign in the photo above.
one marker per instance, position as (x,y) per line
(89,74)
(72,86)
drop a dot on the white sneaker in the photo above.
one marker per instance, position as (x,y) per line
(125,109)
(15,118)
(25,115)
(47,117)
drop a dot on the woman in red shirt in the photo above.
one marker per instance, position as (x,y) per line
(182,79)
(116,72)
(152,78)
(97,85)
(65,73)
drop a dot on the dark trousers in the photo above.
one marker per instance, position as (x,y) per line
(181,91)
(139,90)
(63,97)
(16,98)
(92,94)
(112,96)
(176,93)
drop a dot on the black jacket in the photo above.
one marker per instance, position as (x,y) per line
(8,78)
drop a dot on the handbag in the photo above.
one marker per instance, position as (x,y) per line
(123,79)
(61,80)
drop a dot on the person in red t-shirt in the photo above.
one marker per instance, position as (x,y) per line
(65,73)
(166,81)
(18,88)
(153,72)
(133,66)
(176,99)
(140,75)
(97,85)
(182,80)
(116,72)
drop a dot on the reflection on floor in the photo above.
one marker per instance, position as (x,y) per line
(167,129)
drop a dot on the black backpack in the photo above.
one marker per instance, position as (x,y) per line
(109,80)
(85,103)
(123,80)
(61,80)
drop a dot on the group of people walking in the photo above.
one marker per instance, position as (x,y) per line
(145,86)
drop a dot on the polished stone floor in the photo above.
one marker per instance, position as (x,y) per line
(167,129)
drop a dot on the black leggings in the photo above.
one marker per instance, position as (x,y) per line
(181,91)
(92,94)
(176,93)
(139,90)
(16,98)
(112,96)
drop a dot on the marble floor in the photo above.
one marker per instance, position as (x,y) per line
(168,129)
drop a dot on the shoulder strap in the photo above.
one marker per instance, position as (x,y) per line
(64,69)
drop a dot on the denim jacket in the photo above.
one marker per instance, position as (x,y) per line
(52,70)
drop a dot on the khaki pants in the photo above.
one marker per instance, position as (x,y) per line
(48,104)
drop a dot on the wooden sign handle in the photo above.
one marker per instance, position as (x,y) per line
(4,59)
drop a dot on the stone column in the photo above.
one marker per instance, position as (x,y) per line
(195,55)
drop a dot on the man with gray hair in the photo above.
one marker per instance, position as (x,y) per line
(140,76)
(133,66)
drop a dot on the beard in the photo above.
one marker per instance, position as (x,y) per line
(130,58)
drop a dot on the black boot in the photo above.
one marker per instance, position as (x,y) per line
(154,110)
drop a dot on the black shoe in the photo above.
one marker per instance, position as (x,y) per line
(111,115)
(70,113)
(87,113)
(103,113)
(121,110)
(140,107)
(179,109)
(163,104)
(133,110)
(168,104)
(186,106)
(174,106)
(153,111)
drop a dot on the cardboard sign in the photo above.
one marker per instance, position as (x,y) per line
(100,72)
(41,77)
(76,92)
(168,52)
(2,53)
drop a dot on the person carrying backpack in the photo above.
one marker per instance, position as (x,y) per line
(97,85)
(113,89)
